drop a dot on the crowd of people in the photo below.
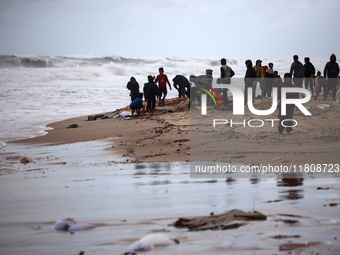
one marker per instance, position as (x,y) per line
(152,91)
(256,75)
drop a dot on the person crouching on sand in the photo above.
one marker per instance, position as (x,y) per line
(287,119)
(162,80)
(150,92)
(137,104)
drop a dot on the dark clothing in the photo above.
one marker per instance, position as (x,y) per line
(331,69)
(289,109)
(150,92)
(180,83)
(134,89)
(249,80)
(310,70)
(299,72)
(298,69)
(269,80)
(331,72)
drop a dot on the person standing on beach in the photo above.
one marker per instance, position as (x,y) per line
(277,79)
(298,70)
(150,92)
(133,86)
(259,75)
(331,72)
(310,73)
(287,119)
(250,80)
(162,80)
(226,74)
(320,82)
(269,80)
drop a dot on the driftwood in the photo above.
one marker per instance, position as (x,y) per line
(219,221)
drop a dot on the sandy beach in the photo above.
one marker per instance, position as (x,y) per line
(166,135)
(131,178)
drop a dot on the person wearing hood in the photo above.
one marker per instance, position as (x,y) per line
(133,86)
(331,72)
(249,80)
(298,71)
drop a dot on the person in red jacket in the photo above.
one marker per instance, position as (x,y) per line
(162,80)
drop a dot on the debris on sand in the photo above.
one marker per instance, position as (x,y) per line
(26,160)
(218,221)
(69,224)
(149,242)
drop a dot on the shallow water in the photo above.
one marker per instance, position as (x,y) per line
(128,201)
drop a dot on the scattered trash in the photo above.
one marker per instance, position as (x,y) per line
(278,158)
(69,224)
(320,188)
(151,241)
(73,126)
(96,117)
(219,221)
(323,106)
(26,160)
(123,115)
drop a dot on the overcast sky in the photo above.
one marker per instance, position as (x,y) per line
(171,28)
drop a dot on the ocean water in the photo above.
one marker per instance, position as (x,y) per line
(38,90)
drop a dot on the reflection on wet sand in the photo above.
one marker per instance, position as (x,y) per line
(129,201)
(291,194)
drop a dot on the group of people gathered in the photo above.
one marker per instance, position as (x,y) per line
(256,74)
(315,82)
(151,91)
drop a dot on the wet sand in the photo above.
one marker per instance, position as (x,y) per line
(135,185)
(129,201)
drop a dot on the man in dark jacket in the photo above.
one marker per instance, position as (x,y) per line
(181,83)
(150,92)
(249,80)
(133,86)
(331,72)
(310,72)
(298,70)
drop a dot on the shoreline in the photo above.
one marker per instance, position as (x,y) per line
(166,135)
